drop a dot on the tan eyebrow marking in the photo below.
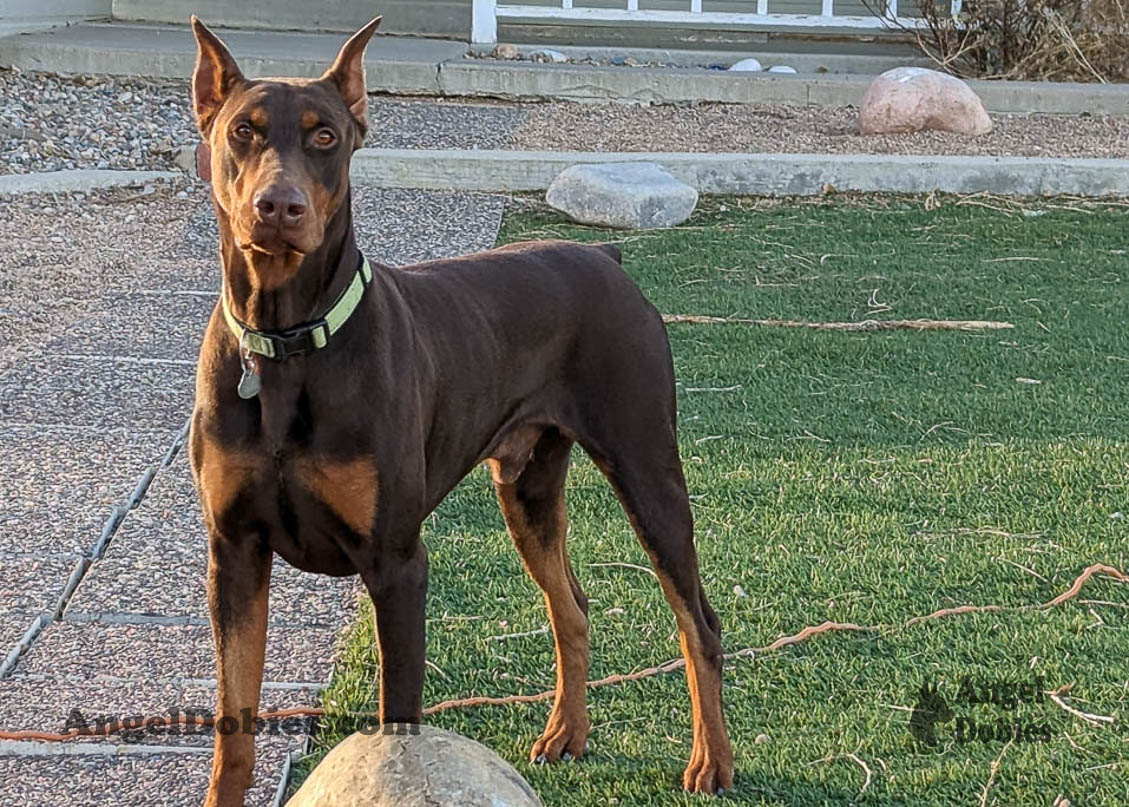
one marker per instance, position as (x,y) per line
(310,119)
(259,117)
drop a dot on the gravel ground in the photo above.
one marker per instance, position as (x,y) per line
(61,252)
(153,651)
(150,780)
(51,123)
(796,129)
(58,486)
(163,540)
(428,124)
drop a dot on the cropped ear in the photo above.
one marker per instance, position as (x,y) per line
(215,75)
(348,73)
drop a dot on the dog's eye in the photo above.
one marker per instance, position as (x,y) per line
(325,138)
(243,131)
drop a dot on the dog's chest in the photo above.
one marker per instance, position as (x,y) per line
(305,500)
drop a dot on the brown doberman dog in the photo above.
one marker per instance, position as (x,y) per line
(338,401)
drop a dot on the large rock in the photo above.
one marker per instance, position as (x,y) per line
(428,767)
(910,99)
(633,196)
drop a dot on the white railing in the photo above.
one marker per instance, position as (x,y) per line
(486,13)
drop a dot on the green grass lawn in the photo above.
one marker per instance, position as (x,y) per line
(861,477)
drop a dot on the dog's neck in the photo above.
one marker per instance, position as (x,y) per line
(277,292)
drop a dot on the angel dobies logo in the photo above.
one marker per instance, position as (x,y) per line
(995,710)
(931,709)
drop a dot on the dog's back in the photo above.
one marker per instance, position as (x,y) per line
(532,291)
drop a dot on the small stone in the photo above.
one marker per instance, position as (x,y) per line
(740,592)
(782,68)
(548,56)
(913,99)
(505,50)
(401,765)
(749,65)
(634,196)
(761,739)
(184,158)
(125,98)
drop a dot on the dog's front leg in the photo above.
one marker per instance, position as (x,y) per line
(238,582)
(397,584)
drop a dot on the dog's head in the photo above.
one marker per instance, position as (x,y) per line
(280,148)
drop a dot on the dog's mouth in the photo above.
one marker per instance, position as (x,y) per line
(275,240)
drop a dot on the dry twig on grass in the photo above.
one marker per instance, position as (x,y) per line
(992,775)
(862,325)
(1069,594)
(1090,571)
(808,632)
(960,609)
(1092,719)
(854,758)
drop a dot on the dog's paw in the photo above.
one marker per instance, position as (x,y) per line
(707,774)
(561,742)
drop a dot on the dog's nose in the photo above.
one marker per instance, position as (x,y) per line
(282,205)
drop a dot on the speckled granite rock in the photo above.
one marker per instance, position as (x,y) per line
(633,196)
(413,766)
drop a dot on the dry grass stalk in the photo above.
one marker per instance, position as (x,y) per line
(1025,40)
(1034,40)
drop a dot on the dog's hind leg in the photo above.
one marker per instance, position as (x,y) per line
(639,456)
(534,509)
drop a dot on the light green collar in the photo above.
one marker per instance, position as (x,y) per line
(309,336)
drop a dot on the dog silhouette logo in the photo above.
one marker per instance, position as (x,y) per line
(931,710)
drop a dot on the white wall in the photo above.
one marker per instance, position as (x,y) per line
(31,15)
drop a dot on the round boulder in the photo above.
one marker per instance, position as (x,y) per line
(911,99)
(401,765)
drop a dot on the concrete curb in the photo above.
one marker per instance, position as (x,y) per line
(568,82)
(752,174)
(80,179)
(402,65)
(169,52)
